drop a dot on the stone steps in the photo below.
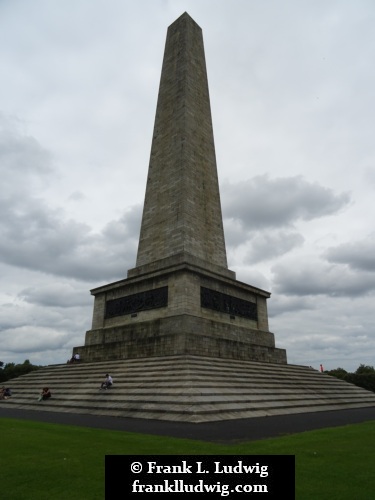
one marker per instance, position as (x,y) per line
(186,388)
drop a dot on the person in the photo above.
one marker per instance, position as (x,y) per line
(45,394)
(3,393)
(321,368)
(108,382)
(7,393)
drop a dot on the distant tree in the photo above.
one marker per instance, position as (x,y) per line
(365,380)
(364,370)
(12,370)
(364,376)
(337,372)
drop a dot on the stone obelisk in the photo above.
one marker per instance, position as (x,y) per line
(182,212)
(181,298)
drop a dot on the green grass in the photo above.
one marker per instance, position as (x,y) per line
(47,461)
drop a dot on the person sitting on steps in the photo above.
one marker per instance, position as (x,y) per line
(5,393)
(45,394)
(108,382)
(76,358)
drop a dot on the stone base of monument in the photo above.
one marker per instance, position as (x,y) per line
(180,335)
(179,344)
(180,307)
(186,388)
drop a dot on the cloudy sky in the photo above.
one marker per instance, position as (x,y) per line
(292,88)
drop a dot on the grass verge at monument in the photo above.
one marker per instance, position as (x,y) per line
(181,298)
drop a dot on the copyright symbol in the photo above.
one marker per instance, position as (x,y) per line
(136,467)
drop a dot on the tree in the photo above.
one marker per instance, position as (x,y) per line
(12,370)
(364,370)
(364,376)
(337,372)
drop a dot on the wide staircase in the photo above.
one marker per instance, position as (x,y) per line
(185,388)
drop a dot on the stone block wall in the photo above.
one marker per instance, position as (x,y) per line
(171,344)
(184,297)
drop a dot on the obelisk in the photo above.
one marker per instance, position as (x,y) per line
(194,329)
(181,298)
(182,211)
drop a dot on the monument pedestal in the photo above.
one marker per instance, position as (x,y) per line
(184,340)
(180,309)
(181,298)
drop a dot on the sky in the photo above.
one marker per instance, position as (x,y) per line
(292,89)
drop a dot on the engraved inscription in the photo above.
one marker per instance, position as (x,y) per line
(151,299)
(227,304)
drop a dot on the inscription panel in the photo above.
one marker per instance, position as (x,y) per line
(151,299)
(221,302)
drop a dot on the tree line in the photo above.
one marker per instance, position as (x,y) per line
(364,376)
(12,370)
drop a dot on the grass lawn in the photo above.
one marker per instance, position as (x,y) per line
(48,461)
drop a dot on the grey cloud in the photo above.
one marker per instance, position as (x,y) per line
(251,276)
(76,196)
(33,339)
(44,329)
(263,202)
(35,237)
(292,108)
(268,245)
(320,279)
(29,310)
(24,163)
(369,175)
(357,255)
(128,226)
(320,343)
(57,295)
(235,234)
(12,316)
(281,304)
(335,331)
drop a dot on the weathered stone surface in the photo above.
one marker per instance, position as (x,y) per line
(204,310)
(183,388)
(182,211)
(183,326)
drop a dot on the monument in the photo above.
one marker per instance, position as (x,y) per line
(181,298)
(183,339)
